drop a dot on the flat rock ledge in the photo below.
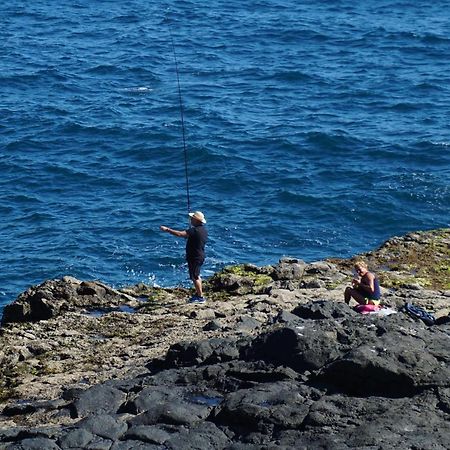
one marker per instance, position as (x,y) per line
(273,360)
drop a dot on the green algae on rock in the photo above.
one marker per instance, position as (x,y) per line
(38,358)
(421,258)
(241,279)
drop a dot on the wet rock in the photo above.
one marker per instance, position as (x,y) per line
(55,297)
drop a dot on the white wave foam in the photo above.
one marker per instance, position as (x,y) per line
(443,144)
(138,90)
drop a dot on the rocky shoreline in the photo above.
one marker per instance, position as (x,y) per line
(274,359)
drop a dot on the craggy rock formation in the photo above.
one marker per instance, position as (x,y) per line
(337,383)
(274,359)
(417,260)
(55,297)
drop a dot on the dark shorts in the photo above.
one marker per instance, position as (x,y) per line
(368,296)
(194,268)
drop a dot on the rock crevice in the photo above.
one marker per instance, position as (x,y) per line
(274,359)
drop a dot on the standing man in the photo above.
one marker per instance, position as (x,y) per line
(196,236)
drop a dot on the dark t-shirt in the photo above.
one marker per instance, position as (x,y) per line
(377,292)
(195,245)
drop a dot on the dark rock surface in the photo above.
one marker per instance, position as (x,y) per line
(273,360)
(55,297)
(337,381)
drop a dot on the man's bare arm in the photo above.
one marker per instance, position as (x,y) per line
(177,233)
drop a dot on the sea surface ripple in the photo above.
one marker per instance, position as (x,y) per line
(313,129)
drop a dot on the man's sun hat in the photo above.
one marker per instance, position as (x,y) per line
(198,215)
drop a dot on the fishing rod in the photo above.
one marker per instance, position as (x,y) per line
(182,119)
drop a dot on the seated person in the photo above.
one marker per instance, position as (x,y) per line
(365,288)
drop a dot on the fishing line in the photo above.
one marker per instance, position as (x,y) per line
(182,119)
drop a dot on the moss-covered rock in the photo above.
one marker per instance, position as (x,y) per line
(420,258)
(37,358)
(241,280)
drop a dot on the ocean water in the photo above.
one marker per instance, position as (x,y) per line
(312,129)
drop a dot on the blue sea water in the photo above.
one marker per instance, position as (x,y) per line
(313,129)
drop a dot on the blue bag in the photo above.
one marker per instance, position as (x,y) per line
(419,313)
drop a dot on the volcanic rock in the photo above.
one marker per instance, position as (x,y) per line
(274,359)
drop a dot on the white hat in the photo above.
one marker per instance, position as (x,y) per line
(198,215)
